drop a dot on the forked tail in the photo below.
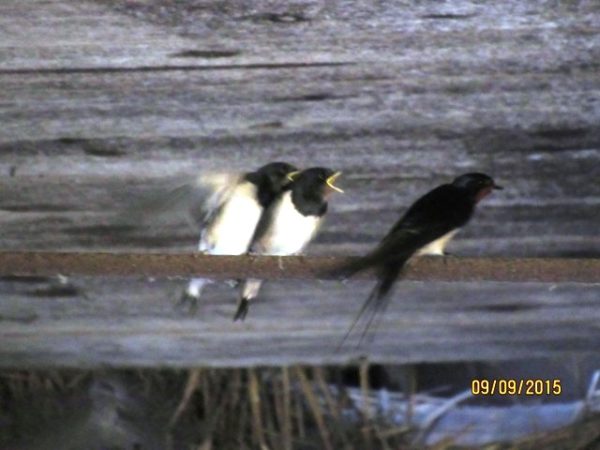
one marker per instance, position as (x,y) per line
(376,303)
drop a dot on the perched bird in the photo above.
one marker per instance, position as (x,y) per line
(231,212)
(425,229)
(290,223)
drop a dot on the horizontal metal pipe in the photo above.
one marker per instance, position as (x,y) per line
(550,270)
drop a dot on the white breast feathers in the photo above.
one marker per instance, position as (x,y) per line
(289,231)
(438,246)
(231,231)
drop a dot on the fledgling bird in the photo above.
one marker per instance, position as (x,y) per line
(425,229)
(290,223)
(231,214)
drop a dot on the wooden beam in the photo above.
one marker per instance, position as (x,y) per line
(131,322)
(549,270)
(123,320)
(144,99)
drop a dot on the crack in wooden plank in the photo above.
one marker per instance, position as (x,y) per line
(171,68)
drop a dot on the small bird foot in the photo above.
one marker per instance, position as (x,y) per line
(242,311)
(191,301)
(448,257)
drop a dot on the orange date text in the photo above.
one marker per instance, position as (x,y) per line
(528,387)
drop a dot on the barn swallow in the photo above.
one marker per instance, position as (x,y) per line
(290,223)
(425,229)
(229,217)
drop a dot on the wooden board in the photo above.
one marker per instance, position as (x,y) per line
(102,101)
(134,322)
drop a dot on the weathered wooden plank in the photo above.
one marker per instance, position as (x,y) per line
(101,101)
(62,214)
(133,322)
(35,264)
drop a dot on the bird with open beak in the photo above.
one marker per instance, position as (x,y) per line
(425,229)
(230,219)
(290,223)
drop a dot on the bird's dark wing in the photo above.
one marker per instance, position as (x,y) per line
(435,214)
(251,287)
(196,200)
(429,218)
(264,227)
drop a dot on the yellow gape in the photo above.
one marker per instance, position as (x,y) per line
(331,179)
(290,176)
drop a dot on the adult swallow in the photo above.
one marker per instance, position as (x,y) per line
(232,211)
(425,229)
(290,223)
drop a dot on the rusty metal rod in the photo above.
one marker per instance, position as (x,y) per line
(550,270)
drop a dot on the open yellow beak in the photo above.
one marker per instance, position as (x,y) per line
(290,176)
(330,181)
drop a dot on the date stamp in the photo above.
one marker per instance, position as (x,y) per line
(529,387)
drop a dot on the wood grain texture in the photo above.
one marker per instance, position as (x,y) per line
(104,101)
(101,101)
(134,322)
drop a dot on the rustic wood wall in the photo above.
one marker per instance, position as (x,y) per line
(101,101)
